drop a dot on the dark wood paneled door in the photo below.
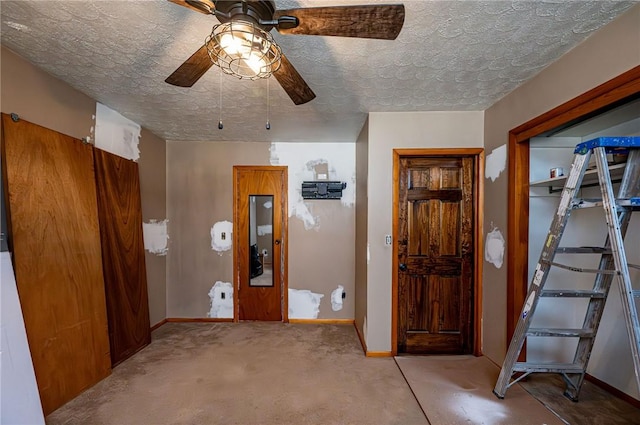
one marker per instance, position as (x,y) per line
(260,297)
(55,241)
(435,255)
(125,277)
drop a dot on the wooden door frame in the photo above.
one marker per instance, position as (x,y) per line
(285,239)
(478,218)
(585,105)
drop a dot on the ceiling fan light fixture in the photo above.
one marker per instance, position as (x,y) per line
(244,50)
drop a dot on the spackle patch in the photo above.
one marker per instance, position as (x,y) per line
(156,237)
(309,161)
(221,295)
(266,229)
(494,248)
(116,134)
(495,163)
(304,304)
(336,298)
(222,236)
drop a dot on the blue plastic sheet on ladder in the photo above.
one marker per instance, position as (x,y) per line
(614,144)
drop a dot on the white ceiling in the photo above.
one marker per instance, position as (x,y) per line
(450,55)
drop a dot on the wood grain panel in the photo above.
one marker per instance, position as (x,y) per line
(418,309)
(293,83)
(435,286)
(450,229)
(367,21)
(55,238)
(399,244)
(450,178)
(125,276)
(450,310)
(254,302)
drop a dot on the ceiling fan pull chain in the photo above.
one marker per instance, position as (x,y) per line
(220,126)
(268,126)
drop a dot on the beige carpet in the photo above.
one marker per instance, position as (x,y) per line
(458,390)
(248,373)
(274,373)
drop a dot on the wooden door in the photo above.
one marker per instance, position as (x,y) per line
(55,240)
(267,302)
(435,255)
(125,277)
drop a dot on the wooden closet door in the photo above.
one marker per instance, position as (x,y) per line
(125,277)
(55,241)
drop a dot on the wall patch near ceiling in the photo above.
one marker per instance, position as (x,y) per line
(494,248)
(495,163)
(156,237)
(116,134)
(221,295)
(315,161)
(222,236)
(304,304)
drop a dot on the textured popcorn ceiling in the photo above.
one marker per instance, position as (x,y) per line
(450,55)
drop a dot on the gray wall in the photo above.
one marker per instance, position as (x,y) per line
(200,193)
(362,212)
(388,131)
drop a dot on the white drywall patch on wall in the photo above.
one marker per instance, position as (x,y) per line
(336,298)
(494,248)
(116,134)
(304,304)
(222,236)
(266,229)
(495,163)
(156,237)
(311,161)
(221,295)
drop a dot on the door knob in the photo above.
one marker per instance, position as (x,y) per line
(277,242)
(403,267)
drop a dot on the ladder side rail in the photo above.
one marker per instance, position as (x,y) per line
(630,185)
(558,224)
(619,255)
(593,315)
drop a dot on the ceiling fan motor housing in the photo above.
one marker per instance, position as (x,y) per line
(256,12)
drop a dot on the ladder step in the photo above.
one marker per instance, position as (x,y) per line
(580,269)
(571,293)
(583,250)
(568,332)
(548,367)
(592,203)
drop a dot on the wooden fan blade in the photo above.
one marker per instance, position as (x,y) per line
(192,69)
(369,21)
(208,3)
(292,83)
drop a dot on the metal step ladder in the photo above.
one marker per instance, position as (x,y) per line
(613,263)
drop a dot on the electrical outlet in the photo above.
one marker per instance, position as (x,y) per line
(344,295)
(387,240)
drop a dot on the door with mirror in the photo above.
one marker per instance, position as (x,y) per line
(260,242)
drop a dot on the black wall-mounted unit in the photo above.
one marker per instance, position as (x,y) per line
(322,190)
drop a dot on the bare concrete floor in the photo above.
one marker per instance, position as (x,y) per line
(274,373)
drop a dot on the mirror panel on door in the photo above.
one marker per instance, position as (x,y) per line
(261,240)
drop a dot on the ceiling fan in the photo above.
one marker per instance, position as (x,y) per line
(251,22)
